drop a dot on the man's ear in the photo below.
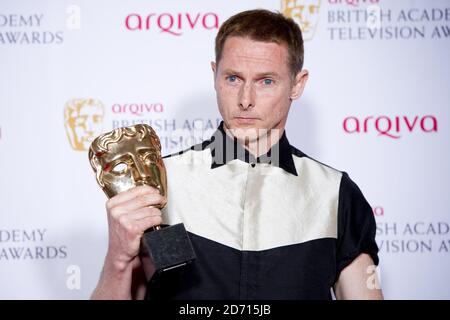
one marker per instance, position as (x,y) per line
(299,84)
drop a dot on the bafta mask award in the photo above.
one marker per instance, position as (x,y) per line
(128,157)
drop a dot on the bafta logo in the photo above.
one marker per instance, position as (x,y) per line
(83,122)
(305,13)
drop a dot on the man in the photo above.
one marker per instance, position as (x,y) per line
(265,220)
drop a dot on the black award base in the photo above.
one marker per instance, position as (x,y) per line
(165,249)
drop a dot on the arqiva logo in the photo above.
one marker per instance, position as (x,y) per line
(172,23)
(390,126)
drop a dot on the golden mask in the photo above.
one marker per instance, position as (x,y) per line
(128,157)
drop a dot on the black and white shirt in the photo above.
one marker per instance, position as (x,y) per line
(268,228)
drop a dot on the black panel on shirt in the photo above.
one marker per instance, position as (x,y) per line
(299,271)
(356,225)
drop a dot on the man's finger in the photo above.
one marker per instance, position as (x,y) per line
(149,222)
(142,201)
(130,194)
(144,213)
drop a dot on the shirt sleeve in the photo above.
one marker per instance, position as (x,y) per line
(356,225)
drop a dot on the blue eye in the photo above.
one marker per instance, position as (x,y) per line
(268,81)
(232,78)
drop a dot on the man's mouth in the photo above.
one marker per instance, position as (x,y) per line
(245,120)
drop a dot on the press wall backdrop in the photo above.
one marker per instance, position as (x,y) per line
(376,106)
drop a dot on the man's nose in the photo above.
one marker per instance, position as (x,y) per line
(246,97)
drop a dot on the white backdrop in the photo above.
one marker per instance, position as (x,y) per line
(376,106)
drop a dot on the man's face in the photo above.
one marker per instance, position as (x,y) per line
(255,87)
(130,163)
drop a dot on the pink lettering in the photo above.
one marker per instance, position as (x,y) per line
(193,23)
(137,109)
(366,120)
(434,124)
(137,22)
(215,21)
(353,3)
(179,21)
(378,211)
(408,125)
(387,128)
(147,21)
(169,26)
(356,124)
(116,108)
(172,23)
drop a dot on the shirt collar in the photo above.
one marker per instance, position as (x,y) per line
(225,149)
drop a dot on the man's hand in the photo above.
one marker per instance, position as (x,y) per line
(130,213)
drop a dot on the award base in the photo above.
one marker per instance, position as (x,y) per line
(165,249)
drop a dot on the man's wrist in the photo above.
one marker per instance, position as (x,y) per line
(117,265)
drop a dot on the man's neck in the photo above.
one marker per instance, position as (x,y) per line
(264,141)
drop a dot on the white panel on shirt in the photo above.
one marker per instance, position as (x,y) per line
(252,208)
